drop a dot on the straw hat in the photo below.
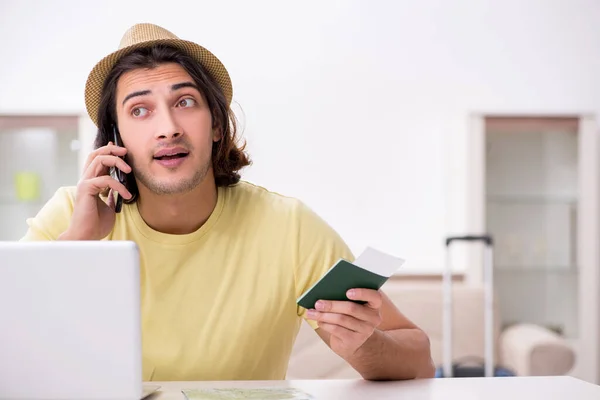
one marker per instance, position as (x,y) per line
(145,35)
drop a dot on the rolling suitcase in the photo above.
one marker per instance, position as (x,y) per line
(471,367)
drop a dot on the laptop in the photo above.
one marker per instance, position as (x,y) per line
(70,323)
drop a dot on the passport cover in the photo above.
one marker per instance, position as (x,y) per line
(369,271)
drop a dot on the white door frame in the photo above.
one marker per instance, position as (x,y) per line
(588,251)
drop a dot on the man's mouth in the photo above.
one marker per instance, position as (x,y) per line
(171,156)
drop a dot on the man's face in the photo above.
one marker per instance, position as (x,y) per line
(166,126)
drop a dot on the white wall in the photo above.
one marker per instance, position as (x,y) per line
(357,107)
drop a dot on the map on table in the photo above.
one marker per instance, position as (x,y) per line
(240,394)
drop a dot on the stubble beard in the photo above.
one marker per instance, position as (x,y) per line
(181,186)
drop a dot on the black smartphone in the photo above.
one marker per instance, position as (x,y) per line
(116,173)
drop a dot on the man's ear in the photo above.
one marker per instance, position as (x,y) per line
(217,136)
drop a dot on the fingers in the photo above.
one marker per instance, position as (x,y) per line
(339,331)
(361,312)
(96,181)
(372,297)
(109,149)
(97,185)
(342,320)
(101,164)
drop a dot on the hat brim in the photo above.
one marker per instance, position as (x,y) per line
(97,77)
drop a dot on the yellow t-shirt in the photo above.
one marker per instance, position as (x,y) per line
(219,303)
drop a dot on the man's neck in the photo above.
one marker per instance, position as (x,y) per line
(178,214)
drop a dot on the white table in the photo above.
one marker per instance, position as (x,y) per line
(513,388)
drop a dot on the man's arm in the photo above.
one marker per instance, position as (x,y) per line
(376,339)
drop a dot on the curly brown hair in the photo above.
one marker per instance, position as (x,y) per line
(228,156)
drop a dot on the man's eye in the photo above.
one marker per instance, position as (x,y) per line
(186,103)
(139,112)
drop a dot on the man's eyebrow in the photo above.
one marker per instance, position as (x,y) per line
(182,85)
(134,94)
(174,87)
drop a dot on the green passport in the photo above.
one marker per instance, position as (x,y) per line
(370,270)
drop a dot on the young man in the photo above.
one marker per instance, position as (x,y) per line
(222,261)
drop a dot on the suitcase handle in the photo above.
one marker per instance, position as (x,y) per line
(487,239)
(488,276)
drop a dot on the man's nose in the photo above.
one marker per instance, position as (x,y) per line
(168,128)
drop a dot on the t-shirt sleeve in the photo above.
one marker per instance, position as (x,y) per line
(319,248)
(53,218)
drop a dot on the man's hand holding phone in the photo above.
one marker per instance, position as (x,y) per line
(93,218)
